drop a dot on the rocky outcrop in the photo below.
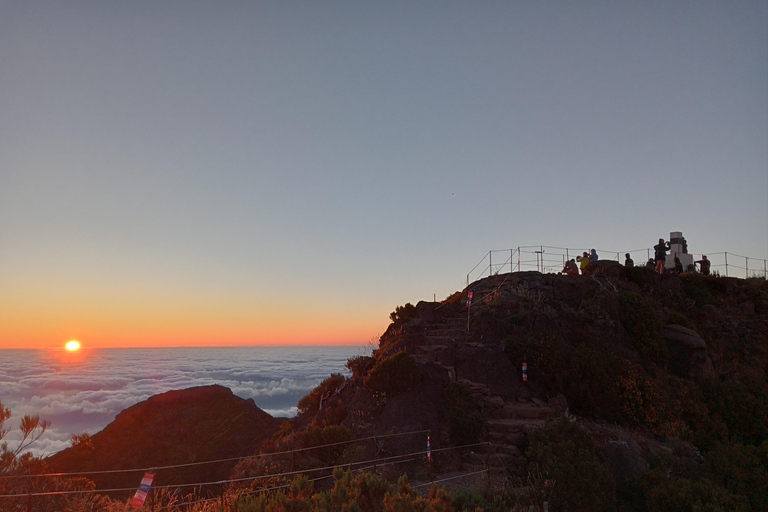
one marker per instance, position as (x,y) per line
(688,352)
(177,427)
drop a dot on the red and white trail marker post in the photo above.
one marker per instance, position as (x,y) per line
(469,304)
(141,493)
(525,372)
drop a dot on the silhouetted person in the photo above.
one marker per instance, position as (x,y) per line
(661,255)
(583,262)
(678,266)
(628,261)
(650,264)
(593,256)
(704,264)
(570,268)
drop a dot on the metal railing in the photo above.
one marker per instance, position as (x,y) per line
(549,259)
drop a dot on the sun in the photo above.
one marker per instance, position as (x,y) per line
(72,345)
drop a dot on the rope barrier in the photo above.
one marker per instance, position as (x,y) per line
(190,464)
(451,478)
(378,461)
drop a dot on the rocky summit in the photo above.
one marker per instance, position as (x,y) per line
(173,428)
(623,389)
(657,369)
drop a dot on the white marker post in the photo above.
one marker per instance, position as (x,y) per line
(141,493)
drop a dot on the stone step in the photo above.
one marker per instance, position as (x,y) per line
(446,337)
(507,439)
(525,411)
(509,450)
(447,333)
(510,426)
(482,460)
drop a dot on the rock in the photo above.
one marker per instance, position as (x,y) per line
(622,460)
(688,355)
(748,308)
(494,402)
(711,312)
(559,404)
(687,337)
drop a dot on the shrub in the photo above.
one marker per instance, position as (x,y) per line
(454,298)
(470,501)
(359,366)
(682,495)
(326,388)
(680,319)
(589,378)
(335,435)
(739,469)
(544,355)
(638,317)
(402,314)
(465,422)
(563,453)
(741,405)
(393,374)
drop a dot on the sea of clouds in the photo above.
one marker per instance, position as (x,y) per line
(82,392)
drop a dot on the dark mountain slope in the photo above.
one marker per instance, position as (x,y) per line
(658,369)
(177,427)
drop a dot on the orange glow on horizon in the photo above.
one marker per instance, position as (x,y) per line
(105,325)
(72,345)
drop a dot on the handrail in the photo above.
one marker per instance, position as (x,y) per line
(551,259)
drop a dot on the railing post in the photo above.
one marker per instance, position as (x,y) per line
(490,263)
(511,255)
(726,264)
(746,267)
(375,453)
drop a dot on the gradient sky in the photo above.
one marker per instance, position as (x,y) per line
(238,173)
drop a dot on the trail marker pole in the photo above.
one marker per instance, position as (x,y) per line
(429,455)
(469,305)
(375,453)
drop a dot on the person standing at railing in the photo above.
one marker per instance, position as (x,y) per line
(593,256)
(628,262)
(704,264)
(661,255)
(583,262)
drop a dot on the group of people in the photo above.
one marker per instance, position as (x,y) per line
(584,260)
(660,260)
(658,263)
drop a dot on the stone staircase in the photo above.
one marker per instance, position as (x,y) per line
(439,335)
(506,425)
(451,329)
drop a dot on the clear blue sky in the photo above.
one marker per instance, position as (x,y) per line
(187,172)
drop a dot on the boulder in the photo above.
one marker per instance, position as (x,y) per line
(623,460)
(688,352)
(686,337)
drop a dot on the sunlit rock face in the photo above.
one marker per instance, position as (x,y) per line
(177,427)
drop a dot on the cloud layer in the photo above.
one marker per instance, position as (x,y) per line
(84,391)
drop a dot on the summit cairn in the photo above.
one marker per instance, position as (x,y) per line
(678,247)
